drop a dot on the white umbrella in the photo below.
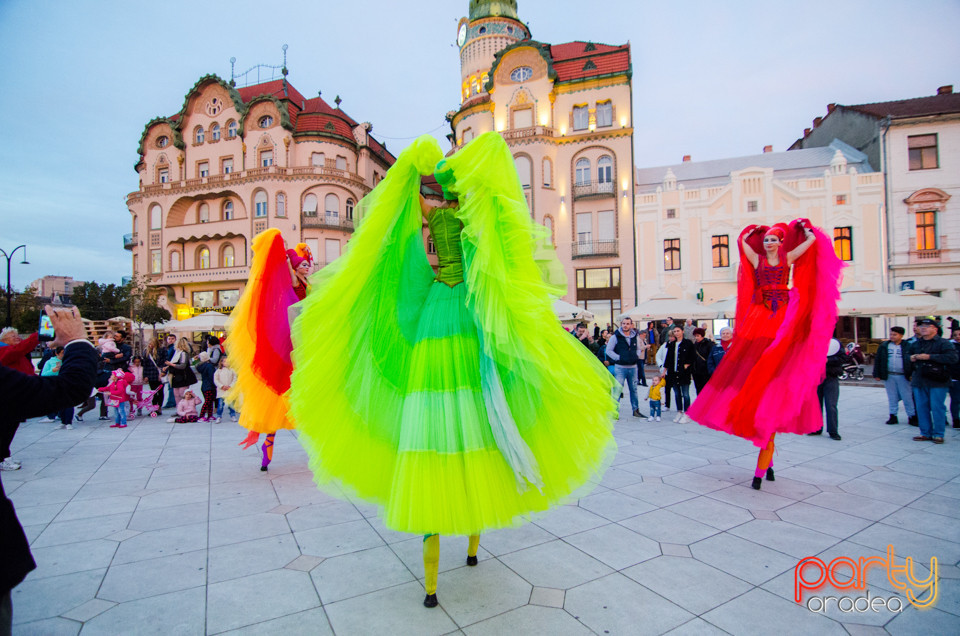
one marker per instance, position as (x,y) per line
(725,307)
(207,321)
(567,312)
(869,302)
(941,306)
(663,306)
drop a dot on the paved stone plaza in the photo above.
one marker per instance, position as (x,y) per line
(172,529)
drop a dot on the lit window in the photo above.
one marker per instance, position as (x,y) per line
(843,243)
(922,150)
(547,172)
(232,128)
(228,297)
(203,258)
(721,250)
(228,211)
(228,257)
(156,260)
(203,299)
(341,163)
(350,209)
(582,175)
(260,204)
(753,206)
(281,204)
(841,199)
(605,170)
(266,121)
(266,158)
(671,255)
(215,132)
(310,205)
(156,217)
(203,169)
(521,74)
(203,215)
(927,230)
(227,166)
(605,114)
(198,135)
(581,117)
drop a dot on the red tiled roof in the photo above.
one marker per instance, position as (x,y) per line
(319,122)
(380,150)
(274,88)
(573,60)
(916,107)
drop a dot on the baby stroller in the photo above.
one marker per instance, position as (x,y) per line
(146,402)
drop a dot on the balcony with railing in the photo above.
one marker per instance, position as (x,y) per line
(588,249)
(593,190)
(129,241)
(326,222)
(525,133)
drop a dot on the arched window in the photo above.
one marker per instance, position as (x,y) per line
(350,209)
(198,135)
(547,172)
(266,121)
(227,258)
(548,223)
(582,176)
(605,174)
(228,211)
(524,170)
(281,204)
(260,204)
(156,216)
(215,132)
(203,258)
(331,206)
(203,214)
(174,261)
(232,128)
(310,205)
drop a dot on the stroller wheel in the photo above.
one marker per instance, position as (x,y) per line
(154,414)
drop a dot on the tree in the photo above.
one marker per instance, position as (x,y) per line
(100,302)
(142,301)
(26,310)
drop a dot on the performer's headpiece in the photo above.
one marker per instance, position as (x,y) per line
(777,231)
(295,259)
(303,251)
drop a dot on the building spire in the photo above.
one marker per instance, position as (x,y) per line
(493,9)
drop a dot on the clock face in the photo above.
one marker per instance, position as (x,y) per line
(521,74)
(462,35)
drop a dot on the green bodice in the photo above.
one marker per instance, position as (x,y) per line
(445,229)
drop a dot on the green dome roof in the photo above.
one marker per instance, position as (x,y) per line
(493,9)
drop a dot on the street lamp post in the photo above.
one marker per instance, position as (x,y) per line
(9,289)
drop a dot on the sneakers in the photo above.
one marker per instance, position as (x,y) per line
(676,418)
(215,420)
(684,418)
(171,419)
(9,464)
(69,427)
(46,420)
(938,440)
(658,418)
(650,419)
(103,418)
(233,418)
(893,420)
(79,418)
(60,426)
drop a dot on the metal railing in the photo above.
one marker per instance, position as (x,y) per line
(129,241)
(586,249)
(326,221)
(593,190)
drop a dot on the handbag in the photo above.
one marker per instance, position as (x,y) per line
(934,372)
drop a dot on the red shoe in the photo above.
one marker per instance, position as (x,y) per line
(115,426)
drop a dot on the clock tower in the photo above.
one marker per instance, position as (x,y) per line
(492,26)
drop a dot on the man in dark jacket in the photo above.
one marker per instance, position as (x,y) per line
(888,366)
(928,368)
(679,366)
(702,347)
(955,379)
(622,349)
(26,396)
(829,390)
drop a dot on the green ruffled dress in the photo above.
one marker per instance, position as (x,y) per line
(459,404)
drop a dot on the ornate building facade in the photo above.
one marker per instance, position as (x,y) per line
(565,110)
(232,163)
(690,214)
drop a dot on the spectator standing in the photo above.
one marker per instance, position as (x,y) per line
(829,390)
(602,350)
(224,379)
(25,395)
(888,367)
(928,368)
(665,331)
(643,345)
(688,328)
(653,395)
(719,349)
(955,380)
(679,365)
(622,349)
(661,361)
(153,369)
(580,332)
(207,386)
(702,348)
(169,351)
(178,367)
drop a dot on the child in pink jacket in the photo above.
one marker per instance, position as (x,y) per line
(187,408)
(117,394)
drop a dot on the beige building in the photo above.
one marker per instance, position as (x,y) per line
(565,111)
(689,215)
(232,163)
(916,144)
(50,286)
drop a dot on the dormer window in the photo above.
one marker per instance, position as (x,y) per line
(265,122)
(521,74)
(163,141)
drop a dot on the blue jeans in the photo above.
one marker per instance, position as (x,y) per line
(221,404)
(654,408)
(681,394)
(931,409)
(628,374)
(120,414)
(898,388)
(955,400)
